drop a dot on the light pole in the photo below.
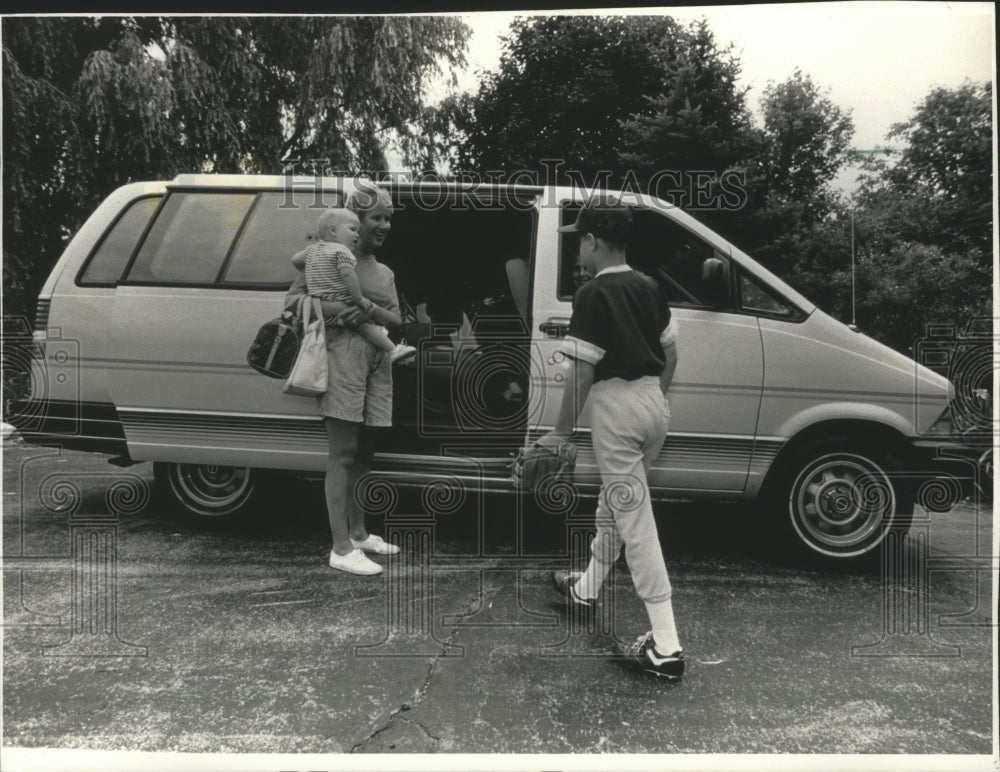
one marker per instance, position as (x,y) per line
(853,324)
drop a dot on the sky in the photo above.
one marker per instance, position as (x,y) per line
(878,59)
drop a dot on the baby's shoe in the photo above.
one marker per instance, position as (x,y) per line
(401,351)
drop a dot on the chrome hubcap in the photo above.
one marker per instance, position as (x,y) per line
(211,489)
(841,503)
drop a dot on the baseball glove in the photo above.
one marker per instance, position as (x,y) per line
(536,465)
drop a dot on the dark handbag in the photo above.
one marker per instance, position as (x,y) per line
(276,346)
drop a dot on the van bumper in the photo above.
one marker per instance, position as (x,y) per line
(89,426)
(961,464)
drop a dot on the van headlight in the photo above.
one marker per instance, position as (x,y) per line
(944,426)
(966,415)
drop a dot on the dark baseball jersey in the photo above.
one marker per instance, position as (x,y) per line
(620,324)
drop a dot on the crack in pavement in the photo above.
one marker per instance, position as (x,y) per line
(418,697)
(426,731)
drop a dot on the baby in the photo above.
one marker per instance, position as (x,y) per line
(330,275)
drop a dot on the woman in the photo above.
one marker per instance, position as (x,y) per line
(359,391)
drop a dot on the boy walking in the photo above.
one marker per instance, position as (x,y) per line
(624,352)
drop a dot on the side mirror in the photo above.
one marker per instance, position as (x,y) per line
(715,280)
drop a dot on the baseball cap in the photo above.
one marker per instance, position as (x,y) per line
(605,217)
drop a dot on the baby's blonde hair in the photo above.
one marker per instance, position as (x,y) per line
(332,217)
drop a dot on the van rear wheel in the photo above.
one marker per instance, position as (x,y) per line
(837,500)
(208,490)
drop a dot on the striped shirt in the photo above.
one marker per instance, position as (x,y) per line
(323,279)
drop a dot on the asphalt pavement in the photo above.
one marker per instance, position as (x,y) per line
(144,632)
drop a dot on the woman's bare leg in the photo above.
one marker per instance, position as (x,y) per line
(361,467)
(342,437)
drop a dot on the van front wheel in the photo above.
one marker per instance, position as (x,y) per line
(838,501)
(208,490)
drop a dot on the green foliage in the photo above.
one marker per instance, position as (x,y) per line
(924,224)
(912,285)
(940,189)
(563,89)
(698,118)
(90,104)
(793,222)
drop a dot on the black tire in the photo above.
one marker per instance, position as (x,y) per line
(835,500)
(206,492)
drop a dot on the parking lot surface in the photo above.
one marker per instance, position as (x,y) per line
(144,632)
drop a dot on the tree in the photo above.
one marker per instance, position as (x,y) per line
(93,103)
(805,139)
(445,128)
(579,89)
(924,223)
(792,220)
(912,285)
(697,120)
(940,190)
(637,97)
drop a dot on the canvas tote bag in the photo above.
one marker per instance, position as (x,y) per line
(309,373)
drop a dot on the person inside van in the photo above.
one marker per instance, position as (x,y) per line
(470,292)
(329,268)
(358,397)
(580,274)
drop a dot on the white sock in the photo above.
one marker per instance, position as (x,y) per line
(589,585)
(661,616)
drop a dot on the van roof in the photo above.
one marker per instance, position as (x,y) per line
(282,180)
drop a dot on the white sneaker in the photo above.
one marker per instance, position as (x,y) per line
(354,562)
(376,544)
(401,352)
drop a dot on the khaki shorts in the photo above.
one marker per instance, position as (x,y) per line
(359,386)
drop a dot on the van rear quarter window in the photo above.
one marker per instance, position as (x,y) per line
(279,226)
(106,265)
(191,237)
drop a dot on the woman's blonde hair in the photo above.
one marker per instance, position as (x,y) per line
(367,197)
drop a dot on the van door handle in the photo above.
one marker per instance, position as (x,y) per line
(555,328)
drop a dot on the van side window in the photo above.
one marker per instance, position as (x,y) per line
(191,237)
(660,248)
(675,257)
(113,252)
(279,226)
(755,298)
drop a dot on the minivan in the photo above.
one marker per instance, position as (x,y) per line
(145,321)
